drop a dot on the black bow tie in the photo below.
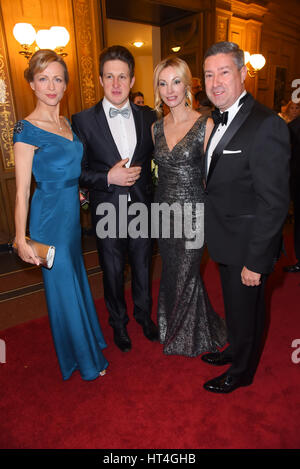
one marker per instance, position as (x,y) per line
(222,117)
(219,117)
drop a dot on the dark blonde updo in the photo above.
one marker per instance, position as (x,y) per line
(40,61)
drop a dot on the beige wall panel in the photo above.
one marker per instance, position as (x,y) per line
(144,78)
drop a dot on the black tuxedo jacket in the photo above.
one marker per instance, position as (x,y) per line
(294,128)
(247,189)
(101,153)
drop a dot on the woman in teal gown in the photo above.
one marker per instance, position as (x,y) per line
(45,145)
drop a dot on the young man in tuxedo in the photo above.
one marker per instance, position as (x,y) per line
(116,135)
(246,203)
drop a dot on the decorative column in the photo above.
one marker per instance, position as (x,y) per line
(89,26)
(7,120)
(7,110)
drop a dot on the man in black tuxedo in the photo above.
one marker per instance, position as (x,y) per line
(246,203)
(116,135)
(294,128)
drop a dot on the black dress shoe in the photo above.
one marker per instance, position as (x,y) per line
(226,383)
(293,269)
(216,358)
(122,339)
(150,330)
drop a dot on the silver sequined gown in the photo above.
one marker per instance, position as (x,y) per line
(187,323)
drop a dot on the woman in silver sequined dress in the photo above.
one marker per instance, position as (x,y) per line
(187,322)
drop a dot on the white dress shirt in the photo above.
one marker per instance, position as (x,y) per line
(221,129)
(123,130)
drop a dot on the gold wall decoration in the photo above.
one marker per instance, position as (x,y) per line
(87,25)
(2,91)
(7,113)
(223,25)
(87,81)
(222,29)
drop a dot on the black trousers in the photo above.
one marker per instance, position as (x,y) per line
(113,254)
(245,320)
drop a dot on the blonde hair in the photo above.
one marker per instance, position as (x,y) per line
(288,106)
(184,74)
(40,61)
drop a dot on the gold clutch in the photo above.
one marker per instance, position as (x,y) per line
(44,252)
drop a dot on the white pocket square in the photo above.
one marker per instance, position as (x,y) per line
(226,152)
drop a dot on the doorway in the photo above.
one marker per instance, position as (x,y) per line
(157,26)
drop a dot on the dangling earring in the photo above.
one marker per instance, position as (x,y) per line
(186,95)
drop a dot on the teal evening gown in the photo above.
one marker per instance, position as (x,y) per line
(55,220)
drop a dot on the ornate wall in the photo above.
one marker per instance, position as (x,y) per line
(271,28)
(7,119)
(241,23)
(280,44)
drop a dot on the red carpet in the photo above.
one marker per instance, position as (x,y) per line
(149,400)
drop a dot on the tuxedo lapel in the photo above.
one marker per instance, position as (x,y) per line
(233,128)
(104,130)
(207,148)
(138,120)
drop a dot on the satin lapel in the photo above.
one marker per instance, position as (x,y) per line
(207,147)
(104,130)
(233,128)
(138,120)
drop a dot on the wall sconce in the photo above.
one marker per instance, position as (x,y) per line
(55,38)
(254,63)
(176,48)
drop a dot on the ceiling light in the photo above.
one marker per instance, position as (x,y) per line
(138,43)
